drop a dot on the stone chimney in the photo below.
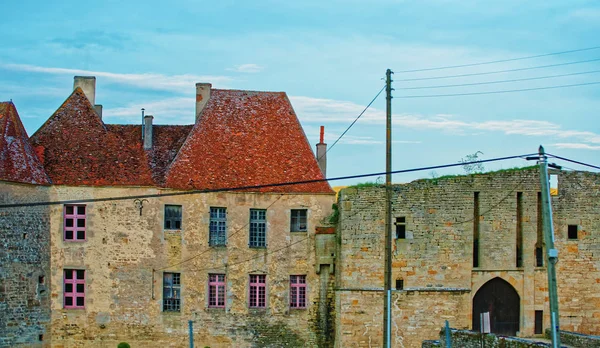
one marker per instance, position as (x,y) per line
(202,96)
(148,132)
(322,153)
(98,109)
(88,85)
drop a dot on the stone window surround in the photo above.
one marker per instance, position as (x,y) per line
(217,226)
(257,291)
(75,217)
(258,228)
(217,290)
(77,278)
(298,291)
(299,220)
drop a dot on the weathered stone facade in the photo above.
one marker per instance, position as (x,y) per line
(434,262)
(24,266)
(125,255)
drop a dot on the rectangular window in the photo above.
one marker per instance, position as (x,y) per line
(399,284)
(539,251)
(298,291)
(572,232)
(172,217)
(218,226)
(216,290)
(400,227)
(258,291)
(519,241)
(258,228)
(74,288)
(539,323)
(475,229)
(171,292)
(74,222)
(298,220)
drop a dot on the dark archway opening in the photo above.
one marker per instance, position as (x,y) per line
(504,304)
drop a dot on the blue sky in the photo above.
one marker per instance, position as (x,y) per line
(330,57)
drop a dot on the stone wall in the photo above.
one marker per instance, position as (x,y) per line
(24,267)
(443,218)
(126,254)
(577,340)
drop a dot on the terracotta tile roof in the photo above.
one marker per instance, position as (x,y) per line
(18,159)
(246,138)
(79,149)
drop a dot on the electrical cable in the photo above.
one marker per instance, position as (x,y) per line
(208,249)
(254,187)
(352,124)
(498,92)
(573,161)
(500,71)
(501,81)
(499,61)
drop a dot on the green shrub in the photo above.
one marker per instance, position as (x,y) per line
(123,345)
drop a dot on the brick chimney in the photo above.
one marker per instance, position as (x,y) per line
(88,85)
(322,153)
(202,96)
(148,132)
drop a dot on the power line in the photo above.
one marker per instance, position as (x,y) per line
(208,249)
(502,81)
(496,92)
(500,61)
(254,187)
(352,124)
(501,71)
(573,161)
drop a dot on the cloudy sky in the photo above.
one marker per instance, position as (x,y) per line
(330,57)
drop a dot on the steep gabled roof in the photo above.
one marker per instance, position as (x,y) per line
(18,160)
(246,138)
(80,150)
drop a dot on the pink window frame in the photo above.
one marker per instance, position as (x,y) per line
(75,216)
(299,289)
(216,284)
(73,294)
(254,290)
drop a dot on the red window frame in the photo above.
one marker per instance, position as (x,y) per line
(74,288)
(216,290)
(298,291)
(257,297)
(74,215)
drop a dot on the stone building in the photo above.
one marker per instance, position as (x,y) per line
(466,245)
(143,233)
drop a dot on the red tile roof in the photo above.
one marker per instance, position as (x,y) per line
(18,159)
(246,138)
(243,138)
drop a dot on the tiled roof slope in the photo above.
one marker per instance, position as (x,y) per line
(18,160)
(79,149)
(246,138)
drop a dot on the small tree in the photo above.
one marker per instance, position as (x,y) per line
(472,168)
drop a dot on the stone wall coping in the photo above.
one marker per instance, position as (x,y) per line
(408,289)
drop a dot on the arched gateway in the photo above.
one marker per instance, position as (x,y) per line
(503,302)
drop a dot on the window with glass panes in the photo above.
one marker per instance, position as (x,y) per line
(258,291)
(298,291)
(298,220)
(172,217)
(216,290)
(74,288)
(171,292)
(218,226)
(258,228)
(74,222)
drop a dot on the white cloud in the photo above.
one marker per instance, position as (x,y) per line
(247,68)
(578,146)
(175,83)
(171,111)
(335,111)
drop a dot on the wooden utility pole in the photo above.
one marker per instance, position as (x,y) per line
(387,305)
(552,253)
